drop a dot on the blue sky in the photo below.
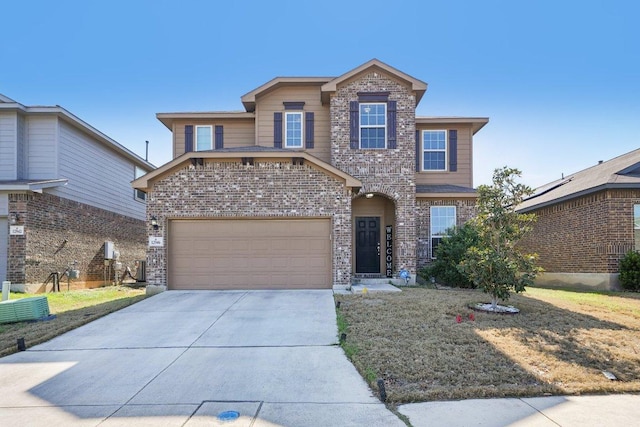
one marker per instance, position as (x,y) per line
(559,80)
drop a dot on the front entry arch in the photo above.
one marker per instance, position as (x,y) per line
(372,218)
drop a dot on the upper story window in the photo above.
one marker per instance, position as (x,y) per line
(373,125)
(204,138)
(293,129)
(139,194)
(434,150)
(442,219)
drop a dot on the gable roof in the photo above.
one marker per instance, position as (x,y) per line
(7,104)
(418,86)
(255,152)
(329,84)
(249,98)
(4,98)
(620,172)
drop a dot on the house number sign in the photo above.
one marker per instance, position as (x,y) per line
(16,230)
(156,241)
(388,253)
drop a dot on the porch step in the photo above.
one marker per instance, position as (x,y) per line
(376,285)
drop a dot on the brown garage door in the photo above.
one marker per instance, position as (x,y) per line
(249,254)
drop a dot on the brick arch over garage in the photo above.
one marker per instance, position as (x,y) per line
(268,189)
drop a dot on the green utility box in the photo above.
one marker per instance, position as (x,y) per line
(19,310)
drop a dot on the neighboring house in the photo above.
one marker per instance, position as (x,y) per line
(65,189)
(586,222)
(319,180)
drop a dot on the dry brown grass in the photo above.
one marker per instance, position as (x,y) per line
(72,309)
(559,343)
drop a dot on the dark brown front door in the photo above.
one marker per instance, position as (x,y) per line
(368,244)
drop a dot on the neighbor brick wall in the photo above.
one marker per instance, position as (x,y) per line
(389,172)
(16,252)
(50,220)
(588,234)
(267,189)
(465,210)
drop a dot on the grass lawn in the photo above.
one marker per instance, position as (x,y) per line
(559,343)
(72,309)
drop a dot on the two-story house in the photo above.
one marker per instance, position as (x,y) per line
(65,190)
(319,180)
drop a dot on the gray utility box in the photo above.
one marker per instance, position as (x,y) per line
(108,250)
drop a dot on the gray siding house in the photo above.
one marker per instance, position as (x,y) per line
(65,189)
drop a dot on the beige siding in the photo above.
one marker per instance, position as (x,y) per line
(237,132)
(271,102)
(464,174)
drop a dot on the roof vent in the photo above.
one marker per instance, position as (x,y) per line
(599,162)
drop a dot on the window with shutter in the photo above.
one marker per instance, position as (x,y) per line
(434,150)
(373,125)
(418,153)
(453,150)
(293,129)
(219,141)
(277,129)
(354,124)
(188,138)
(391,124)
(372,121)
(204,138)
(309,125)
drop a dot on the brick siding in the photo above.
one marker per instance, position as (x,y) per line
(390,172)
(267,189)
(59,231)
(588,234)
(465,210)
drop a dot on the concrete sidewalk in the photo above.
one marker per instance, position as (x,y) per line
(565,411)
(182,358)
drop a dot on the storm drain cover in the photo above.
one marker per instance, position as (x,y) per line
(228,415)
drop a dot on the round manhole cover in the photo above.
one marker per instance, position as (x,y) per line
(228,415)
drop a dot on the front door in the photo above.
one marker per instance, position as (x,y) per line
(368,244)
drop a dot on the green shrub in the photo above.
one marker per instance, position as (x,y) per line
(449,253)
(630,271)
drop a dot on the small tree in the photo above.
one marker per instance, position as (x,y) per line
(494,264)
(630,271)
(449,254)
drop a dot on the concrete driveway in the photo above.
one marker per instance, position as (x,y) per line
(185,357)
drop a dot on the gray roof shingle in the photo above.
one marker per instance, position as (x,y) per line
(620,172)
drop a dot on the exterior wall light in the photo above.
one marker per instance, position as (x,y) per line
(14,218)
(368,195)
(154,222)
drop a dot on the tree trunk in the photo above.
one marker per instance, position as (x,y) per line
(494,303)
